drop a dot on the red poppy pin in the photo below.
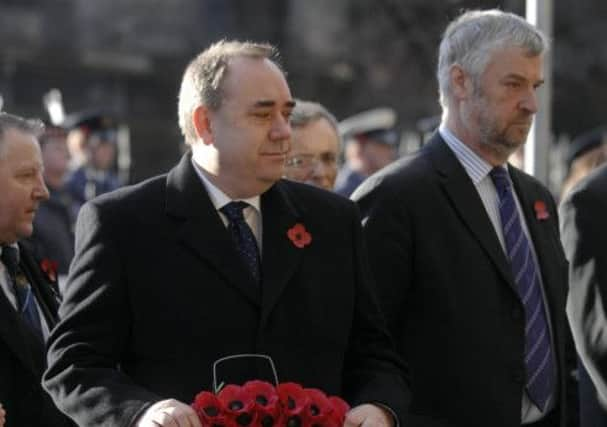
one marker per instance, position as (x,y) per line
(299,235)
(49,267)
(541,212)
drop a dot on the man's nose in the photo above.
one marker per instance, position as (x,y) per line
(530,102)
(40,191)
(281,128)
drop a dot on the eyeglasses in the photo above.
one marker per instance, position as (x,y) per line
(309,161)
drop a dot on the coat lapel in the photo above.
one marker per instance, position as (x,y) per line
(551,263)
(200,228)
(468,204)
(45,292)
(280,256)
(540,231)
(26,346)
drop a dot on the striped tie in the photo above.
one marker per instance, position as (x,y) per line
(538,352)
(23,291)
(243,237)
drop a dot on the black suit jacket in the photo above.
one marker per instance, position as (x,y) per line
(584,233)
(447,289)
(22,355)
(157,290)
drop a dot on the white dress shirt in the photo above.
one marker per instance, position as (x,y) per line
(252,213)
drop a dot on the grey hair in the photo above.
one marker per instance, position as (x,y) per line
(471,39)
(202,80)
(34,127)
(306,112)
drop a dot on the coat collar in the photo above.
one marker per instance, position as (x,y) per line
(542,232)
(280,256)
(47,293)
(201,229)
(24,343)
(467,203)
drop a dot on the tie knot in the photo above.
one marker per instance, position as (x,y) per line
(233,211)
(499,176)
(10,259)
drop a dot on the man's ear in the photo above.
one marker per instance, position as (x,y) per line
(202,124)
(461,84)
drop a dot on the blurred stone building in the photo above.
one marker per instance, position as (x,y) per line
(127,56)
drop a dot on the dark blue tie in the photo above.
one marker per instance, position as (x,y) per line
(26,303)
(538,353)
(243,237)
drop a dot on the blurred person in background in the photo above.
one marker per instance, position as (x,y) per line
(315,144)
(578,213)
(586,152)
(53,237)
(584,233)
(371,142)
(92,141)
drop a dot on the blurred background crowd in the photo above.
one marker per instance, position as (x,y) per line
(104,76)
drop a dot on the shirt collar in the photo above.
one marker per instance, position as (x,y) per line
(476,167)
(218,197)
(14,245)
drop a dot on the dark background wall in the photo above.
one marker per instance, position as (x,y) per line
(127,56)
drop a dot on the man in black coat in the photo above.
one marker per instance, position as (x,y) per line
(584,232)
(465,248)
(220,257)
(28,296)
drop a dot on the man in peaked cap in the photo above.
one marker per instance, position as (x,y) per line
(92,143)
(371,143)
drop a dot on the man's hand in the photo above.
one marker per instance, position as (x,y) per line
(168,413)
(2,416)
(368,415)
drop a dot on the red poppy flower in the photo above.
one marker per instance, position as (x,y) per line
(238,404)
(49,267)
(541,212)
(299,235)
(260,404)
(319,408)
(340,408)
(294,401)
(210,410)
(267,405)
